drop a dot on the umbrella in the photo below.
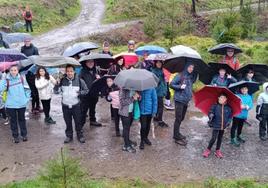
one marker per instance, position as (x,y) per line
(99,85)
(102,60)
(252,86)
(57,61)
(79,48)
(136,79)
(208,96)
(16,37)
(221,49)
(6,65)
(157,57)
(260,72)
(129,58)
(215,67)
(150,49)
(11,55)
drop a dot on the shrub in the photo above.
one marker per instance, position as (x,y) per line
(248,22)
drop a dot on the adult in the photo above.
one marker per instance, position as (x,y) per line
(28,17)
(231,59)
(222,79)
(116,68)
(18,95)
(73,88)
(45,84)
(3,44)
(182,84)
(131,46)
(161,91)
(29,49)
(106,48)
(89,74)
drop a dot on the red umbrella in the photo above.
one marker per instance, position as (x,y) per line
(208,95)
(129,58)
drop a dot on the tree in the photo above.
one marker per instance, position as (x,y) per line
(241,3)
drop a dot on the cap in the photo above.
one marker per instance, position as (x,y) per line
(131,42)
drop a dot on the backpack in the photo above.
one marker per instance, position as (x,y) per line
(4,95)
(28,14)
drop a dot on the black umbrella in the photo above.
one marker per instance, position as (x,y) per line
(252,86)
(11,55)
(221,49)
(102,60)
(98,86)
(260,72)
(79,48)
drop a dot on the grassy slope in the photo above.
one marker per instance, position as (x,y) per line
(46,12)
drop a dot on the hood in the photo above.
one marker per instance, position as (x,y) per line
(265,85)
(186,73)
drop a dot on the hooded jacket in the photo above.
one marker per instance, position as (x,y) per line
(222,82)
(262,102)
(112,95)
(183,95)
(89,76)
(161,89)
(125,101)
(29,50)
(148,102)
(45,87)
(18,94)
(246,100)
(221,116)
(233,62)
(2,42)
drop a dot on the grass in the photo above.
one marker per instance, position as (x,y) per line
(46,14)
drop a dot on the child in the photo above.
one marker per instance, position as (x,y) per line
(222,79)
(148,108)
(72,88)
(239,120)
(231,59)
(113,97)
(262,112)
(220,116)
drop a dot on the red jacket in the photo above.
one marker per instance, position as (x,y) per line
(232,62)
(27,18)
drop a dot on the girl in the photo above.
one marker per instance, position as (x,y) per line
(240,119)
(222,79)
(220,116)
(231,59)
(18,95)
(45,84)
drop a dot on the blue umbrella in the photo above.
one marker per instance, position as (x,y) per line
(11,55)
(16,37)
(150,49)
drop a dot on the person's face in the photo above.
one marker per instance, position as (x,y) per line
(106,49)
(222,72)
(250,75)
(190,68)
(230,52)
(27,43)
(42,72)
(14,71)
(244,90)
(222,100)
(120,62)
(145,55)
(90,64)
(131,47)
(70,72)
(109,82)
(158,64)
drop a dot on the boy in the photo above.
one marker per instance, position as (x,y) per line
(220,116)
(72,88)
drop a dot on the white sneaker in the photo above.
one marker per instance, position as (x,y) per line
(169,107)
(6,122)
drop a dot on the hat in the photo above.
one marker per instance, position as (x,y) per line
(131,42)
(27,39)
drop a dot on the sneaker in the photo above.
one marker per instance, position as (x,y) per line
(24,139)
(51,121)
(95,124)
(142,145)
(129,149)
(218,154)
(162,124)
(181,142)
(169,107)
(68,140)
(206,153)
(241,140)
(182,136)
(133,144)
(263,138)
(81,139)
(16,140)
(155,119)
(147,141)
(6,121)
(234,142)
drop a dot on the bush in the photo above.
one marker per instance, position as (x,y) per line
(248,22)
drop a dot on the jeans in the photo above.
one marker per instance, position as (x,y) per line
(145,121)
(46,107)
(237,126)
(127,121)
(180,111)
(216,135)
(28,25)
(17,117)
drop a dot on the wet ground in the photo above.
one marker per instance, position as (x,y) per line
(164,161)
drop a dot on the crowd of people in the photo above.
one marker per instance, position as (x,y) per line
(78,102)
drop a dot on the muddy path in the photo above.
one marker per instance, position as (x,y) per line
(164,161)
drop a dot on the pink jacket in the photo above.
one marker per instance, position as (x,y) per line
(115,99)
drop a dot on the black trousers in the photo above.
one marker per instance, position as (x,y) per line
(180,111)
(145,121)
(3,113)
(69,114)
(17,117)
(111,109)
(89,104)
(35,99)
(116,118)
(263,125)
(216,135)
(28,25)
(46,107)
(237,126)
(127,121)
(160,109)
(168,96)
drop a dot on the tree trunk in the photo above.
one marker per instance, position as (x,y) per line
(193,7)
(241,3)
(259,6)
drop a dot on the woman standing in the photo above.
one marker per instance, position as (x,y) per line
(18,95)
(45,84)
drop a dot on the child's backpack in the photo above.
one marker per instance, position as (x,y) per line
(4,95)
